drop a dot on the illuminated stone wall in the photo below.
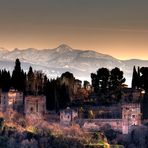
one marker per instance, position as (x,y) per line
(97,124)
(68,116)
(35,104)
(12,100)
(35,108)
(131,116)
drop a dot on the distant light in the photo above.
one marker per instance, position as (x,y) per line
(10,102)
(143,91)
(30,129)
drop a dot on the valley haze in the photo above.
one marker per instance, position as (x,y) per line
(54,62)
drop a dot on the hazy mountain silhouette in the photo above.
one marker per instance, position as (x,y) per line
(64,58)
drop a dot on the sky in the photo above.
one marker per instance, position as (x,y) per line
(115,27)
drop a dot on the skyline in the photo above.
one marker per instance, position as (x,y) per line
(117,28)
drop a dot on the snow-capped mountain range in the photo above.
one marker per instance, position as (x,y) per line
(55,61)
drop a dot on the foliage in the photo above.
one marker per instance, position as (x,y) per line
(3,142)
(86,83)
(108,83)
(135,78)
(110,134)
(137,138)
(116,78)
(42,137)
(5,80)
(18,79)
(140,78)
(1,123)
(144,106)
(57,95)
(144,78)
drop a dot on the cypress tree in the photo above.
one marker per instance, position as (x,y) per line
(134,78)
(30,81)
(18,77)
(138,78)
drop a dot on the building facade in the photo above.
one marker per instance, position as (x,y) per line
(35,105)
(131,116)
(35,109)
(11,100)
(68,116)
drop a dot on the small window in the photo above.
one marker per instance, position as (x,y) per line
(31,109)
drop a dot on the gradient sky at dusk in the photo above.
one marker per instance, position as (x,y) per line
(115,27)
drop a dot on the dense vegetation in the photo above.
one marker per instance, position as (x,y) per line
(107,84)
(49,136)
(36,83)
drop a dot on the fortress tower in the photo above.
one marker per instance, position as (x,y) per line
(131,116)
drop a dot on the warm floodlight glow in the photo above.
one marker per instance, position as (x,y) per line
(143,91)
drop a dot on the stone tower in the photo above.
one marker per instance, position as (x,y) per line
(67,116)
(131,116)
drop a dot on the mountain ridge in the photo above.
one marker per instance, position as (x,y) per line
(64,58)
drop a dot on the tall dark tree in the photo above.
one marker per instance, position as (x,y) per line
(116,81)
(144,85)
(18,77)
(45,82)
(100,81)
(134,78)
(144,105)
(86,83)
(58,92)
(36,82)
(68,80)
(63,97)
(138,78)
(30,81)
(57,95)
(144,78)
(39,78)
(95,82)
(50,92)
(107,84)
(116,78)
(5,80)
(103,77)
